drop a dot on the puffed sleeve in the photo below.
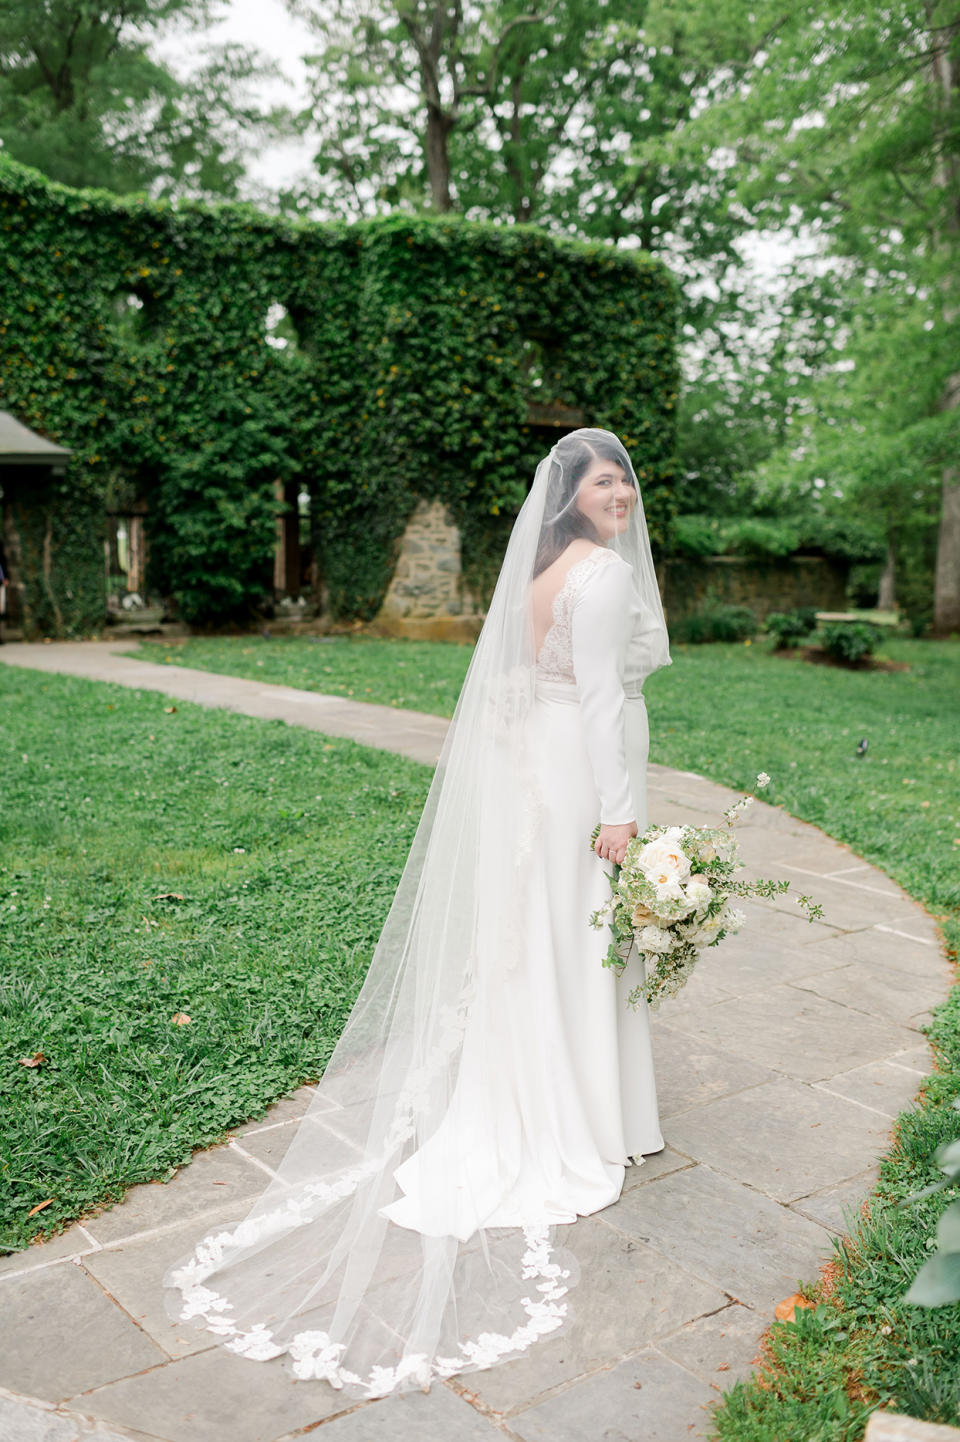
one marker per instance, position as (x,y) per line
(601,626)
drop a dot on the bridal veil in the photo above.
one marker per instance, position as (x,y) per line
(317,1272)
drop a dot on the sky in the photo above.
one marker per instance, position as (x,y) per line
(267,26)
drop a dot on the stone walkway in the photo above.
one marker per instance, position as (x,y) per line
(385,727)
(780,1069)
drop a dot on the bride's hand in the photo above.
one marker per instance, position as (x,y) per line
(611,843)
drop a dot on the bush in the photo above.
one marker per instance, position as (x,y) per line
(789,628)
(718,622)
(696,536)
(850,643)
(770,536)
(915,596)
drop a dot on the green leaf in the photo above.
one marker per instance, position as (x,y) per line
(947,1157)
(948,1229)
(938,1281)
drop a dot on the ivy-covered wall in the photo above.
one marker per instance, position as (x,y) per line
(136,333)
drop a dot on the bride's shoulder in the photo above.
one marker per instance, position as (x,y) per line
(582,550)
(600,557)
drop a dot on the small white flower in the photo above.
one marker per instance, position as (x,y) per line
(762,780)
(698,891)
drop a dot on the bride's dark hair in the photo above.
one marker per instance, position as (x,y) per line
(563,521)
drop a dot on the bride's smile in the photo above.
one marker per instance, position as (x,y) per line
(606,497)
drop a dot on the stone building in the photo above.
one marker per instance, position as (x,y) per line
(28,463)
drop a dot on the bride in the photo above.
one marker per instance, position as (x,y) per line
(491,1083)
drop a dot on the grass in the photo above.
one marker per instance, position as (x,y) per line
(119,801)
(414,675)
(285,848)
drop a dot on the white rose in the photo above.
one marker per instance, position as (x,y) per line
(663,858)
(655,939)
(666,887)
(708,928)
(734,918)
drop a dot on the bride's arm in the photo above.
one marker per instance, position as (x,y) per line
(600,630)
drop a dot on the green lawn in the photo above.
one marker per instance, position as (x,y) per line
(111,800)
(285,848)
(415,675)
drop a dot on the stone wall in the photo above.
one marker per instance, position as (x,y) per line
(779,584)
(427,600)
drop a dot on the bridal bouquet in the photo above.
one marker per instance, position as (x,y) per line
(673,896)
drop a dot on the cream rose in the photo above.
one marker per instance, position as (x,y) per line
(662,861)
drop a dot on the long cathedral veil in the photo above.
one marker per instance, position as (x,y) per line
(316,1272)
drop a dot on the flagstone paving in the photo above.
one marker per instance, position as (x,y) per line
(780,1069)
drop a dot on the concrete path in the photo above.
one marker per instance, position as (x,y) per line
(386,727)
(780,1070)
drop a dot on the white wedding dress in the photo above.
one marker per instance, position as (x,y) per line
(556,1091)
(491,1083)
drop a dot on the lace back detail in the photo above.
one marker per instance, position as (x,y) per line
(555,658)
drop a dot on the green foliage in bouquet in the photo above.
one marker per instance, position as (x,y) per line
(672,897)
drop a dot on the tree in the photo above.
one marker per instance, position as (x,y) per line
(83,100)
(551,111)
(845,118)
(565,113)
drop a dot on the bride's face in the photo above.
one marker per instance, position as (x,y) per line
(606,497)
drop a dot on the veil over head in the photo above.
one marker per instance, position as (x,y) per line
(316,1272)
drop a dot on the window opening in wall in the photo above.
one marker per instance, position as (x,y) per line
(532,364)
(279,329)
(134,317)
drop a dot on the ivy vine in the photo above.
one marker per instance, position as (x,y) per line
(136,333)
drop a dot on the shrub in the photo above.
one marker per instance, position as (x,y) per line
(789,628)
(850,643)
(718,622)
(696,536)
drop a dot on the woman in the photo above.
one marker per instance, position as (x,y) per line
(491,1083)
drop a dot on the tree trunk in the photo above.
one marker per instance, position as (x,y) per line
(946,589)
(887,598)
(439,125)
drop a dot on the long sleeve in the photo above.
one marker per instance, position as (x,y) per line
(601,625)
